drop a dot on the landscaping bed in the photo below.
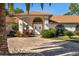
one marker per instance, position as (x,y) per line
(66,35)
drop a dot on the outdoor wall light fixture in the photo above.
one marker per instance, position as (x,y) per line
(46,24)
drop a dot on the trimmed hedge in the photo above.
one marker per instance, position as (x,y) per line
(68,33)
(12,34)
(48,33)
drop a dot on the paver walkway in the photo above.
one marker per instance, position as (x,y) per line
(36,46)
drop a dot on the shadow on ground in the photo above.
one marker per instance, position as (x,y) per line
(68,49)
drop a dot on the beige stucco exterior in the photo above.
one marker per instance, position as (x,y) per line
(29,21)
(47,21)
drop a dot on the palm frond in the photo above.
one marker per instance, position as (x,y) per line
(42,5)
(27,7)
(32,4)
(50,4)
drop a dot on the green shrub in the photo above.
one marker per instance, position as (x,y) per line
(48,33)
(52,31)
(12,33)
(68,33)
(15,27)
(76,32)
(45,33)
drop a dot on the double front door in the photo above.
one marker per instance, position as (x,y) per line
(37,28)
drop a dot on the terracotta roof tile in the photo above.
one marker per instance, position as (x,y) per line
(39,13)
(65,19)
(35,13)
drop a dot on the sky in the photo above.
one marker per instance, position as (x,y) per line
(55,8)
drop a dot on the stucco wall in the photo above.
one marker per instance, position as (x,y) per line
(29,21)
(52,25)
(46,24)
(70,27)
(8,28)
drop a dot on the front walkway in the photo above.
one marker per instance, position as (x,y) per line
(36,46)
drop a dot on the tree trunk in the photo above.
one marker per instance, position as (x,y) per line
(11,8)
(3,37)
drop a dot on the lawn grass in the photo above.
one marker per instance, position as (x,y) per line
(66,38)
(75,37)
(61,38)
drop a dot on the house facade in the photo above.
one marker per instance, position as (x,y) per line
(70,23)
(9,23)
(38,21)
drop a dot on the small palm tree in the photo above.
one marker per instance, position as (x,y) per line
(11,8)
(42,6)
(28,6)
(3,38)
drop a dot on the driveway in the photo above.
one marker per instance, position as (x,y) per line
(36,46)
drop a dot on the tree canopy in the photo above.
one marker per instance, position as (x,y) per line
(73,9)
(18,10)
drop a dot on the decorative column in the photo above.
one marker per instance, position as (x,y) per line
(46,23)
(21,26)
(3,36)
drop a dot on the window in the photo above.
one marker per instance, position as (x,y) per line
(77,27)
(60,29)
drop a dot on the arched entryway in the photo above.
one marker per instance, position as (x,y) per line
(37,25)
(77,27)
(60,29)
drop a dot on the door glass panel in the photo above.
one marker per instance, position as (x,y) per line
(40,27)
(35,27)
